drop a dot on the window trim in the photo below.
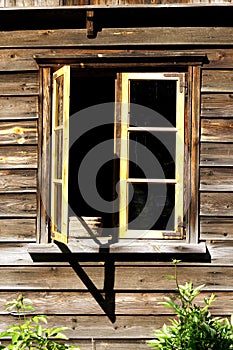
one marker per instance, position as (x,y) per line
(189,62)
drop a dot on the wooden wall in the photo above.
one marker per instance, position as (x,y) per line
(54,3)
(55,289)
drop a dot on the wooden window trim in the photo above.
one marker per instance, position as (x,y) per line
(192,64)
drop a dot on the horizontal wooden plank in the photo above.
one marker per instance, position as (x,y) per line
(127,278)
(75,303)
(15,205)
(216,154)
(124,250)
(18,107)
(119,36)
(23,59)
(216,204)
(17,230)
(217,81)
(18,157)
(19,83)
(19,133)
(216,179)
(18,180)
(16,254)
(217,105)
(31,3)
(100,344)
(99,327)
(217,130)
(220,58)
(212,228)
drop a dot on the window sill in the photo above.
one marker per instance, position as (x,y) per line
(86,250)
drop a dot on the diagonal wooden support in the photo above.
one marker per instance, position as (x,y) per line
(108,303)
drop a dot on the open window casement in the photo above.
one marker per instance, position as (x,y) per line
(151,151)
(60,154)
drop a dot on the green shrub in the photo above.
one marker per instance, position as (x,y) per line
(30,333)
(193,327)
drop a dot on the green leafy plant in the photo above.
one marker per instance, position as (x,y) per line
(193,327)
(30,332)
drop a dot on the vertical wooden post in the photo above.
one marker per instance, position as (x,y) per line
(195,96)
(44,157)
(90,24)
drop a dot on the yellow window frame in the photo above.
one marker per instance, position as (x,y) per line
(124,232)
(60,159)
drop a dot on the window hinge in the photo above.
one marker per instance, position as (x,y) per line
(183,83)
(90,24)
(181,228)
(184,86)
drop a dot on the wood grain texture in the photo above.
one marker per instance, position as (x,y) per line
(217,81)
(217,130)
(30,3)
(18,157)
(19,84)
(14,205)
(216,179)
(216,204)
(18,181)
(18,107)
(79,327)
(216,154)
(212,228)
(128,278)
(120,36)
(81,303)
(217,105)
(17,230)
(22,59)
(19,133)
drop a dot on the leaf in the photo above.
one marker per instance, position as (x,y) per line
(62,336)
(169,277)
(15,337)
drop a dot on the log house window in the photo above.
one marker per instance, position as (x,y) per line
(147,129)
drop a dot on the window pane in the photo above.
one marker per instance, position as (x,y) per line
(159,98)
(152,155)
(151,207)
(58,207)
(59,107)
(59,153)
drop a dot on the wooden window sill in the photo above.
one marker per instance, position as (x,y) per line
(87,250)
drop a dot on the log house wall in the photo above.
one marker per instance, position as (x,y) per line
(54,287)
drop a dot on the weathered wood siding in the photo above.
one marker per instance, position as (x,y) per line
(55,288)
(54,3)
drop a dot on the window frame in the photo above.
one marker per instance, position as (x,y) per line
(62,144)
(125,129)
(193,69)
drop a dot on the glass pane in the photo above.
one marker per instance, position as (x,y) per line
(58,207)
(151,206)
(59,94)
(152,155)
(59,153)
(153,103)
